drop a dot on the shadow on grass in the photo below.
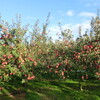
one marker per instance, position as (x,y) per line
(61,90)
(50,90)
(49,93)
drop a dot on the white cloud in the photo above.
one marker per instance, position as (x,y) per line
(87,14)
(85,25)
(74,28)
(70,13)
(56,29)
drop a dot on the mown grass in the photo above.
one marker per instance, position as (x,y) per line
(51,90)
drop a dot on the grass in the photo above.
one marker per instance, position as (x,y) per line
(51,90)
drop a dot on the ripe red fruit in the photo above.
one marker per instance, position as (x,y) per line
(90,46)
(97,73)
(25,75)
(62,73)
(1,88)
(4,63)
(86,76)
(0,76)
(10,56)
(63,77)
(82,77)
(30,77)
(11,73)
(57,66)
(19,66)
(30,58)
(56,71)
(98,66)
(4,56)
(4,45)
(35,63)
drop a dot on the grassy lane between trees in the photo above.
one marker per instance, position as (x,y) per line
(51,90)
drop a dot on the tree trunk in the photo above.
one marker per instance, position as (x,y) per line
(80,85)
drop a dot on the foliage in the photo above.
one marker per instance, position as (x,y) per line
(51,90)
(40,58)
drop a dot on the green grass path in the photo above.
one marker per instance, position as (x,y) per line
(51,90)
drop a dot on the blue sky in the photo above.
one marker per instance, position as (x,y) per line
(70,13)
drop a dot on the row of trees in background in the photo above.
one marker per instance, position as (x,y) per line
(23,59)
